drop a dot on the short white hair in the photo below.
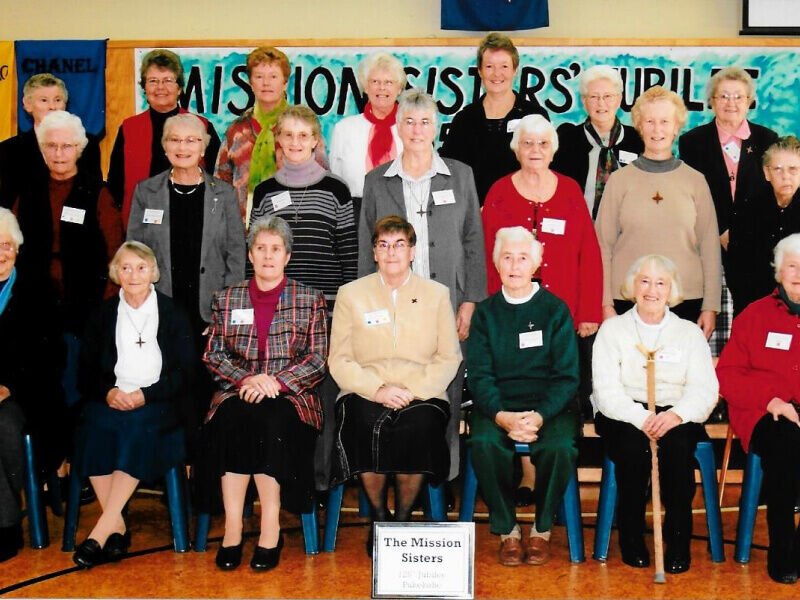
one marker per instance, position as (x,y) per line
(10,225)
(535,124)
(61,119)
(662,264)
(188,120)
(517,234)
(416,99)
(381,60)
(599,72)
(788,245)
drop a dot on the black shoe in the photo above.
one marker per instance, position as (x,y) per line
(230,557)
(782,576)
(87,495)
(523,496)
(780,568)
(10,541)
(265,559)
(117,546)
(635,553)
(89,554)
(677,564)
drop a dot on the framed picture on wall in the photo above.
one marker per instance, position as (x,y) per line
(770,17)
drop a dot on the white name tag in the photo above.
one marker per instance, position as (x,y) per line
(242,316)
(444,197)
(554,226)
(530,339)
(281,200)
(668,355)
(153,216)
(377,317)
(733,151)
(626,157)
(779,341)
(512,125)
(73,215)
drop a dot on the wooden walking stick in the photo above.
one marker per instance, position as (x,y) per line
(658,542)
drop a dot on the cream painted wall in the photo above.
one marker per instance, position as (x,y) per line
(286,19)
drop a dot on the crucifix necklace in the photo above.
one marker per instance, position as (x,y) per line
(297,216)
(421,209)
(140,342)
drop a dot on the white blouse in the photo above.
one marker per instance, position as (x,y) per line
(138,354)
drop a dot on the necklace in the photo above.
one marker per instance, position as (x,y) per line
(297,217)
(181,192)
(140,342)
(422,212)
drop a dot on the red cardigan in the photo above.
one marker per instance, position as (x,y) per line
(571,266)
(749,373)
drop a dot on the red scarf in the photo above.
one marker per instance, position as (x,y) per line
(381,140)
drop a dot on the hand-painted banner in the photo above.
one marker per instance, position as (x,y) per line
(6,88)
(325,79)
(82,66)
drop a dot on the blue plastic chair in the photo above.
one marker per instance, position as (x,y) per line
(436,511)
(175,502)
(748,507)
(309,521)
(34,507)
(569,510)
(607,504)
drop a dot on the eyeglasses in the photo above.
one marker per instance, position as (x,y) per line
(140,269)
(7,247)
(728,97)
(596,98)
(424,123)
(790,169)
(302,137)
(383,245)
(189,141)
(154,82)
(382,82)
(53,147)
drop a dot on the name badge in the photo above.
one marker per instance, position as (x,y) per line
(153,216)
(73,215)
(443,197)
(668,355)
(512,125)
(530,339)
(242,316)
(733,151)
(626,157)
(779,341)
(377,317)
(281,200)
(554,226)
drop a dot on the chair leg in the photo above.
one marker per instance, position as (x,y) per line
(177,514)
(571,507)
(436,502)
(201,532)
(72,513)
(335,496)
(37,518)
(704,455)
(726,457)
(310,531)
(748,507)
(606,506)
(469,491)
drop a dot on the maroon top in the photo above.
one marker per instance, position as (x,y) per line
(264,304)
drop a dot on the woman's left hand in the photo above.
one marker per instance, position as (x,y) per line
(657,426)
(707,322)
(587,329)
(4,392)
(463,318)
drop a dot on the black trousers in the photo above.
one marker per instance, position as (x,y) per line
(629,448)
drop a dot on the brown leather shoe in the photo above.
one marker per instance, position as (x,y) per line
(510,553)
(537,549)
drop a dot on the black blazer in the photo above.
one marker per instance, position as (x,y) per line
(700,149)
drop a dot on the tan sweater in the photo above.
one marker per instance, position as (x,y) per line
(410,342)
(682,226)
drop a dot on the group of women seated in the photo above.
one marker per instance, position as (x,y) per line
(340,351)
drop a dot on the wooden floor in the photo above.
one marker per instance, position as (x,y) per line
(154,570)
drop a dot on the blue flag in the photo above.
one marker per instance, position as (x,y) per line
(494,15)
(82,66)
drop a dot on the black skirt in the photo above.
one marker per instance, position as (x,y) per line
(373,438)
(265,438)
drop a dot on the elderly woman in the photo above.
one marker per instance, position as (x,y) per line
(136,361)
(21,159)
(685,394)
(266,351)
(590,151)
(438,198)
(394,351)
(523,375)
(479,135)
(761,221)
(362,142)
(29,336)
(660,205)
(250,152)
(728,151)
(758,377)
(138,152)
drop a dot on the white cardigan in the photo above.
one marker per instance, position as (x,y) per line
(685,377)
(348,151)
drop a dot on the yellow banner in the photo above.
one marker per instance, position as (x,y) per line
(7,103)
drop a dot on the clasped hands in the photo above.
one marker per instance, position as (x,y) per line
(656,426)
(257,387)
(394,396)
(119,400)
(521,426)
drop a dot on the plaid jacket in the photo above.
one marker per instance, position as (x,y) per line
(297,347)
